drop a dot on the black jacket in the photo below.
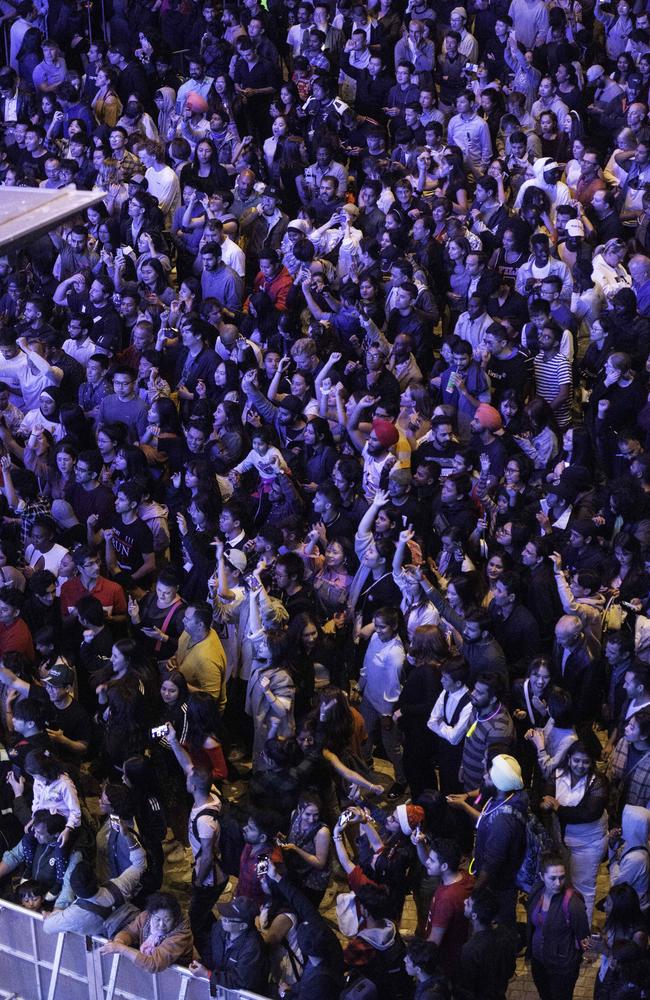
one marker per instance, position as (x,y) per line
(564,928)
(241,964)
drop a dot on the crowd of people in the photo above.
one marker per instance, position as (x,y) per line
(325,438)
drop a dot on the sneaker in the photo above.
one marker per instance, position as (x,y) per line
(396,790)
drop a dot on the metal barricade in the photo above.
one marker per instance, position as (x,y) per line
(39,966)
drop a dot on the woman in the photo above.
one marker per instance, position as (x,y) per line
(307,848)
(164,432)
(151,246)
(227,381)
(106,104)
(141,778)
(454,180)
(573,169)
(110,438)
(270,692)
(46,416)
(553,142)
(495,567)
(420,691)
(174,694)
(153,284)
(624,926)
(206,163)
(557,924)
(541,441)
(569,88)
(202,744)
(319,456)
(228,441)
(332,580)
(512,254)
(458,275)
(577,795)
(62,471)
(553,741)
(313,661)
(157,938)
(130,463)
(529,707)
(159,616)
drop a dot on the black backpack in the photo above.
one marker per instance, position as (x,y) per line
(231,838)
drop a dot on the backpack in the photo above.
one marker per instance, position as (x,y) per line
(231,838)
(538,842)
(116,915)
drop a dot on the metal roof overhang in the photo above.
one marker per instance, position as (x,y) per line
(27,213)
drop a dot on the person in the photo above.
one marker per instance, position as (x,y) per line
(94,901)
(557,924)
(427,358)
(578,798)
(157,938)
(235,956)
(37,852)
(380,686)
(489,956)
(500,843)
(446,924)
(200,656)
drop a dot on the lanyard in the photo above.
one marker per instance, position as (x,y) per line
(472,728)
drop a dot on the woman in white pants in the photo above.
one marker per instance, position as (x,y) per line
(578,799)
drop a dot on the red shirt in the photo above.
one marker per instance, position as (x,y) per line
(16,638)
(248,883)
(446,912)
(109,594)
(277,288)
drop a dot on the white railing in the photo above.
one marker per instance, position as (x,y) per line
(39,966)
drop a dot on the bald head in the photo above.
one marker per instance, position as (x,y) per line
(568,631)
(639,268)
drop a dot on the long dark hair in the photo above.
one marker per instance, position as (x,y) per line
(202,719)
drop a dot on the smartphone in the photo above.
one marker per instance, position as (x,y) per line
(262,867)
(348,816)
(158,732)
(280,839)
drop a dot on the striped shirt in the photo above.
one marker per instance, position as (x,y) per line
(497,727)
(550,375)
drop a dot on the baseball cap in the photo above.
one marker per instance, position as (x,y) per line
(60,675)
(237,559)
(574,227)
(241,908)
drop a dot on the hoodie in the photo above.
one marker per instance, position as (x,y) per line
(629,860)
(167,109)
(589,609)
(155,516)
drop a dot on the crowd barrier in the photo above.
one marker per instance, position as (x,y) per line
(39,966)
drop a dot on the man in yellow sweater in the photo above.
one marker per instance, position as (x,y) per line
(200,656)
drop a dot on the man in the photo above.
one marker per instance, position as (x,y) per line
(15,637)
(541,597)
(264,227)
(507,366)
(575,668)
(540,266)
(549,101)
(485,425)
(235,957)
(471,134)
(554,374)
(636,685)
(90,583)
(490,724)
(289,579)
(200,657)
(124,404)
(325,166)
(255,80)
(69,726)
(274,279)
(489,958)
(129,541)
(380,683)
(446,924)
(417,48)
(88,496)
(95,901)
(500,844)
(377,457)
(104,317)
(513,626)
(218,281)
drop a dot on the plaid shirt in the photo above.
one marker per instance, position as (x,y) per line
(633,786)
